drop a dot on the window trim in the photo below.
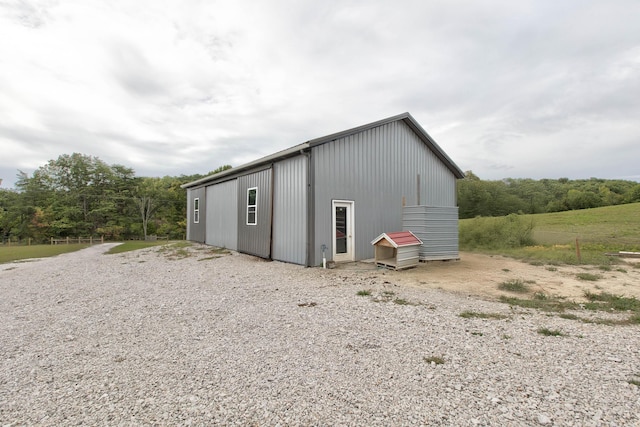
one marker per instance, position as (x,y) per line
(254,206)
(196,210)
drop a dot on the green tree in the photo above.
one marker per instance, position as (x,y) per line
(10,215)
(73,195)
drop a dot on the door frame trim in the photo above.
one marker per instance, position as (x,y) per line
(351,241)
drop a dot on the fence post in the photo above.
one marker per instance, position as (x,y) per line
(67,240)
(578,251)
(102,239)
(91,240)
(52,240)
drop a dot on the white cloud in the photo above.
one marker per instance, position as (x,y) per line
(180,87)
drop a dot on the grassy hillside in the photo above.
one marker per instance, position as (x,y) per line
(598,230)
(616,227)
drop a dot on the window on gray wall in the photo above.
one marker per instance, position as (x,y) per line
(252,206)
(196,210)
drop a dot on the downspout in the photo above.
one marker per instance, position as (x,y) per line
(271,219)
(310,208)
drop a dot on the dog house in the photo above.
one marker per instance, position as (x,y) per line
(397,250)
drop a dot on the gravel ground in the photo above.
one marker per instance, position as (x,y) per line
(152,338)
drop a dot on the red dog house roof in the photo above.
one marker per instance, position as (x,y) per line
(398,239)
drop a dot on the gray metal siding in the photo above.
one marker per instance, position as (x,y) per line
(437,227)
(376,169)
(222,215)
(290,210)
(255,239)
(196,231)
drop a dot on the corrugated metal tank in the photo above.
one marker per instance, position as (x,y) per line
(255,239)
(222,215)
(437,227)
(196,231)
(376,169)
(290,210)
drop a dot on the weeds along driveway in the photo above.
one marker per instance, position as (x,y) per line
(172,337)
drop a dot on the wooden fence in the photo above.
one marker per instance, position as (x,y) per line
(154,238)
(17,242)
(68,240)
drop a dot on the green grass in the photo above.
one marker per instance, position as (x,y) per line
(16,253)
(603,301)
(550,332)
(177,250)
(542,302)
(634,320)
(479,315)
(611,226)
(590,277)
(364,293)
(133,245)
(515,285)
(606,301)
(598,230)
(568,316)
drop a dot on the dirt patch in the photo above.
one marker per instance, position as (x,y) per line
(479,275)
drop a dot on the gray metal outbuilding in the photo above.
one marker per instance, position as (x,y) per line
(331,195)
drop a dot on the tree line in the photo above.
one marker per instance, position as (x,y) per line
(478,197)
(80,196)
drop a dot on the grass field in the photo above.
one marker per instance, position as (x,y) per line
(598,230)
(611,226)
(15,253)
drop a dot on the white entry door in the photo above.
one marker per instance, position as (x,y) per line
(342,228)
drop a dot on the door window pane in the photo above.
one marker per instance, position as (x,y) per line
(341,230)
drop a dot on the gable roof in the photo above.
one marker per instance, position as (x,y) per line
(297,149)
(398,239)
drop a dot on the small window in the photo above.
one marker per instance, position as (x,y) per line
(196,211)
(252,206)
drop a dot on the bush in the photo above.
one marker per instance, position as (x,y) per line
(511,231)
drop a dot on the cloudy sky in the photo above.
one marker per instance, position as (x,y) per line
(528,88)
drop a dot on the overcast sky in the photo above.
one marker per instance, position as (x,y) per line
(538,89)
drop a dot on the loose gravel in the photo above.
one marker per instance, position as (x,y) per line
(155,337)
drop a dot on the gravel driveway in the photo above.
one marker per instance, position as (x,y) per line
(147,338)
